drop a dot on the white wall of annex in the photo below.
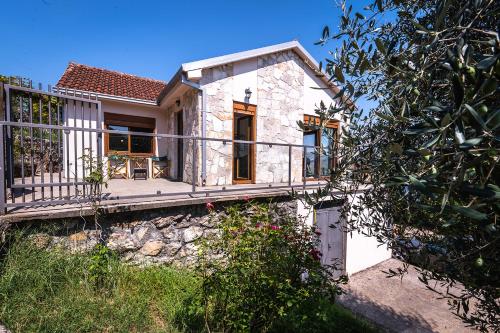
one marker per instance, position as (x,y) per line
(244,77)
(315,92)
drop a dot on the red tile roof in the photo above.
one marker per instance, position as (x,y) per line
(98,80)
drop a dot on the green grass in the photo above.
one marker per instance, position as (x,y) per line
(51,291)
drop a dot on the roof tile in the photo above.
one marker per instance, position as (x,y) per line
(99,80)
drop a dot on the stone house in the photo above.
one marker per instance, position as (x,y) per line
(227,126)
(255,95)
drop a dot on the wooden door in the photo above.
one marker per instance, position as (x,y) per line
(333,240)
(243,153)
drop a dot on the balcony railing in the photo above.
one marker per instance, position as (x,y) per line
(51,164)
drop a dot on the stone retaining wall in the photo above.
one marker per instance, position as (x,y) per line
(144,237)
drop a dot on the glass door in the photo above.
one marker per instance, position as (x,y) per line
(327,151)
(310,139)
(243,152)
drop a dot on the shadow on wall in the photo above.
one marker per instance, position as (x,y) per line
(384,316)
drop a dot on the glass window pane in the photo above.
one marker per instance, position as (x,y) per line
(310,140)
(118,142)
(141,144)
(241,159)
(327,144)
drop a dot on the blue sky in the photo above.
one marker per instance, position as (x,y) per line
(149,38)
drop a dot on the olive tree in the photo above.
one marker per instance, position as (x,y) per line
(424,157)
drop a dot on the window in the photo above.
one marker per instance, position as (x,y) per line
(128,144)
(319,162)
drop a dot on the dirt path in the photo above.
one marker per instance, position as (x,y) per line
(399,306)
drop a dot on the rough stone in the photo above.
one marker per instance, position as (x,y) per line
(192,234)
(161,236)
(41,241)
(152,248)
(122,241)
(79,236)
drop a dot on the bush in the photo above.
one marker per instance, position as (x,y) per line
(260,267)
(54,291)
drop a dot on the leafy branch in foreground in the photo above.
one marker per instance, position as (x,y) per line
(423,159)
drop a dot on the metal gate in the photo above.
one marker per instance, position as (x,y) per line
(333,238)
(44,136)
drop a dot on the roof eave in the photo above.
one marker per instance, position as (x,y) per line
(92,94)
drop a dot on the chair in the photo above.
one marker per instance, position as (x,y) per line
(161,166)
(139,167)
(118,166)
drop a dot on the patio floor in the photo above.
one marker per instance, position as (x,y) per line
(129,194)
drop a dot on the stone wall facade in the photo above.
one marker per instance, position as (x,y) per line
(218,88)
(280,104)
(161,236)
(191,122)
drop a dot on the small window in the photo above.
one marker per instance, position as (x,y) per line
(128,144)
(319,162)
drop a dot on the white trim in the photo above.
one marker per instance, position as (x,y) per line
(91,94)
(234,57)
(239,56)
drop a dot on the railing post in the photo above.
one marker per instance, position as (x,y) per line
(3,197)
(290,165)
(305,169)
(99,134)
(193,166)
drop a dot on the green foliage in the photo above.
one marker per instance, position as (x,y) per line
(259,268)
(425,155)
(333,319)
(52,291)
(100,265)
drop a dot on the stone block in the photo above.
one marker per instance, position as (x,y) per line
(152,248)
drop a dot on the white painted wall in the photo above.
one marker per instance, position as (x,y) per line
(312,96)
(364,251)
(245,76)
(78,143)
(361,251)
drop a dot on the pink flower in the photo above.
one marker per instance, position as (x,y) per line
(210,206)
(246,198)
(258,225)
(275,227)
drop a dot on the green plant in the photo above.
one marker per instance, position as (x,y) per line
(423,152)
(54,291)
(100,267)
(259,266)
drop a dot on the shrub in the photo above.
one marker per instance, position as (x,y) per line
(260,266)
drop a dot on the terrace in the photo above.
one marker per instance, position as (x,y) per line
(48,164)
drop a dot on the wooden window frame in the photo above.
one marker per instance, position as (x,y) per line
(251,110)
(315,121)
(117,119)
